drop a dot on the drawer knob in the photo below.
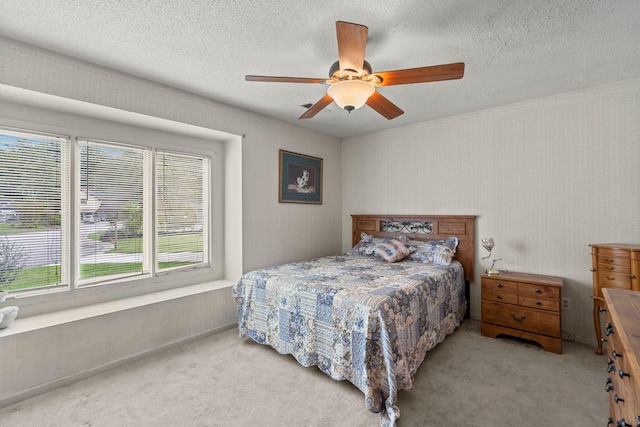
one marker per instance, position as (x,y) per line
(623,374)
(538,303)
(499,285)
(618,399)
(610,331)
(516,319)
(623,423)
(601,309)
(499,296)
(610,421)
(603,340)
(608,386)
(616,354)
(609,260)
(611,268)
(609,361)
(611,278)
(538,291)
(611,369)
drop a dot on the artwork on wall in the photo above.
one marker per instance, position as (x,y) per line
(300,178)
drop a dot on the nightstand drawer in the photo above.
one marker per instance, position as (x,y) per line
(499,295)
(522,318)
(538,291)
(503,285)
(542,303)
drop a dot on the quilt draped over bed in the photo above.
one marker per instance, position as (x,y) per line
(357,318)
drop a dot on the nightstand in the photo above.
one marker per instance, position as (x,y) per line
(523,305)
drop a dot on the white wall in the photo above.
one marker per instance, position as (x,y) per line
(545,177)
(270,233)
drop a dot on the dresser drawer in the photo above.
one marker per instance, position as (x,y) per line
(614,265)
(523,318)
(623,342)
(614,280)
(620,258)
(614,268)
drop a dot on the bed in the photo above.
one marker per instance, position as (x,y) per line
(361,318)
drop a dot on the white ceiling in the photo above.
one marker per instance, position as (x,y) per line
(513,50)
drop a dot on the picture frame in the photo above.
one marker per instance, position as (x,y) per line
(300,178)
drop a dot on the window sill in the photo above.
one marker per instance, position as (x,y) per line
(27,324)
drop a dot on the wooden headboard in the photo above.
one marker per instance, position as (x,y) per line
(422,227)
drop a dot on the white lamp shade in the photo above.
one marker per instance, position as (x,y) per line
(350,94)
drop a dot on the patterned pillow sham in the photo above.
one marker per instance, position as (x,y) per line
(368,243)
(439,252)
(392,250)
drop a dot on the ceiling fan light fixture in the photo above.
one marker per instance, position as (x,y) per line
(350,94)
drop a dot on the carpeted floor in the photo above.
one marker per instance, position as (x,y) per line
(223,380)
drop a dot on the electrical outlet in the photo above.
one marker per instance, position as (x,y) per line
(566,304)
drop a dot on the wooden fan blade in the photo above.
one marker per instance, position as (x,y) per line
(383,106)
(250,78)
(317,107)
(423,74)
(352,43)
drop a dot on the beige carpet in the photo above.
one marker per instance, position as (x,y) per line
(223,380)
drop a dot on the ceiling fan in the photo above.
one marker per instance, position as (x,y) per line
(353,82)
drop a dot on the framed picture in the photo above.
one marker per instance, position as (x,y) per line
(300,178)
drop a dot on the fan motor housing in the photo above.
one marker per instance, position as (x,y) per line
(335,69)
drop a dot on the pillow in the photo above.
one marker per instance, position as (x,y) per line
(367,244)
(392,250)
(439,252)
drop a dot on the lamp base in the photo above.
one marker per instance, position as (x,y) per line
(493,272)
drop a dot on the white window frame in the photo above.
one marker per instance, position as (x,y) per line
(129,134)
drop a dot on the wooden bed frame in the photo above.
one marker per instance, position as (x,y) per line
(424,227)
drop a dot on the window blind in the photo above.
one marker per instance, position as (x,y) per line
(181,200)
(32,222)
(112,210)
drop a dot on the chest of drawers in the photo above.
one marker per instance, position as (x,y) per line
(613,266)
(623,351)
(523,305)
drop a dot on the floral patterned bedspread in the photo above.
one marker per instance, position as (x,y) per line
(357,318)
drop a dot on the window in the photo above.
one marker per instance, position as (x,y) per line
(76,212)
(31,226)
(113,212)
(180,193)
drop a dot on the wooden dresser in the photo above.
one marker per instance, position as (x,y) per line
(623,350)
(614,266)
(523,305)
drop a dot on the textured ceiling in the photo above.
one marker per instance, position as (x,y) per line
(513,50)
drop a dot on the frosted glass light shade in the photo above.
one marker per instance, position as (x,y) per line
(350,94)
